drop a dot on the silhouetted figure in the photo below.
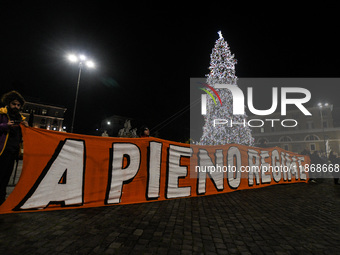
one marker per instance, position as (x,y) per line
(10,137)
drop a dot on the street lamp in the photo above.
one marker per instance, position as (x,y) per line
(320,105)
(81,60)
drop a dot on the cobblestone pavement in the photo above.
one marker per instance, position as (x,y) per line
(282,219)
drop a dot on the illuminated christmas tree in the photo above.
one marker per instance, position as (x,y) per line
(222,71)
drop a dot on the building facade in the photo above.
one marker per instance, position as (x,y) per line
(296,132)
(44,116)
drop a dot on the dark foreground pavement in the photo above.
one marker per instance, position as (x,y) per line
(283,219)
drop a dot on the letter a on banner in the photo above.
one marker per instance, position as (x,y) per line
(61,182)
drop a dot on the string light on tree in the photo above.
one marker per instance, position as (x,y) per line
(222,71)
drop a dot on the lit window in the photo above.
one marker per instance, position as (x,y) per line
(311,138)
(312,147)
(285,139)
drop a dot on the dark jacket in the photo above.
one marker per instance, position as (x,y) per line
(4,128)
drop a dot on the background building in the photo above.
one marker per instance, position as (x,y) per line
(318,132)
(44,116)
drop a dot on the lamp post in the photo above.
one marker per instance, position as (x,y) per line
(320,105)
(81,59)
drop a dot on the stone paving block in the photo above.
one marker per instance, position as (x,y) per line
(220,246)
(197,249)
(115,245)
(174,252)
(138,232)
(143,241)
(209,253)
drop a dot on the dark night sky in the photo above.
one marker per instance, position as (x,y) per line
(146,53)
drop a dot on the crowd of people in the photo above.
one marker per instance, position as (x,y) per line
(323,165)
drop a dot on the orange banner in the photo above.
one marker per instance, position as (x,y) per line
(63,171)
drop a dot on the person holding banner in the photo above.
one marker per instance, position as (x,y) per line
(334,160)
(10,136)
(316,160)
(144,132)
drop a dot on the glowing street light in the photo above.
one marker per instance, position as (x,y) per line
(72,58)
(90,64)
(320,105)
(81,60)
